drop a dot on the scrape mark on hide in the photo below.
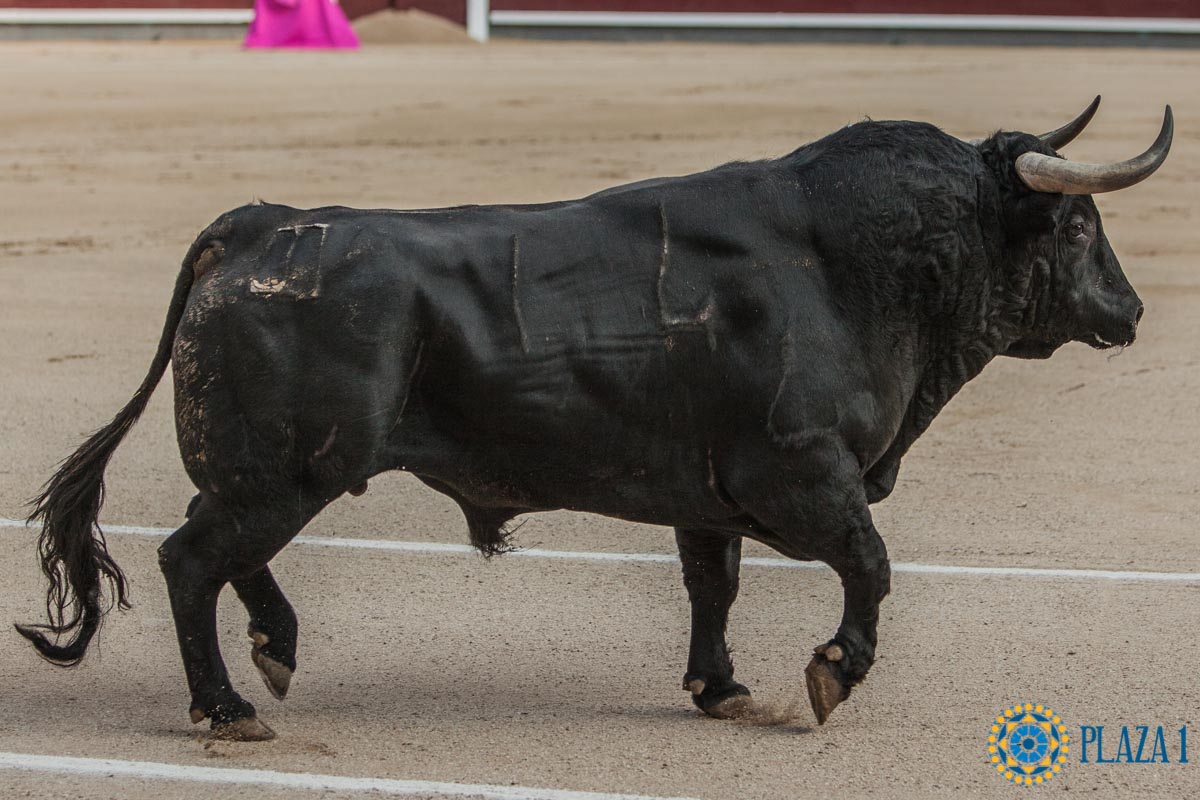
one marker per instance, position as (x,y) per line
(516,301)
(412,376)
(294,255)
(269,286)
(664,259)
(298,229)
(786,351)
(324,226)
(667,319)
(714,486)
(329,440)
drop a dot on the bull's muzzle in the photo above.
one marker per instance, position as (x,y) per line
(1117,329)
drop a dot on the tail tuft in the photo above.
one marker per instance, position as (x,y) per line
(71,548)
(67,655)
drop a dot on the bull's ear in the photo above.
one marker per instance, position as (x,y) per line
(1031,213)
(1024,211)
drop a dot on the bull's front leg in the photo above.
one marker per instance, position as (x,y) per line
(860,560)
(711,561)
(814,506)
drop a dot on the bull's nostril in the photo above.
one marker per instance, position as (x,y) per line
(1140,311)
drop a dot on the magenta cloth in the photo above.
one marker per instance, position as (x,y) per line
(300,23)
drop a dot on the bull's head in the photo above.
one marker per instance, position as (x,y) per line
(1084,296)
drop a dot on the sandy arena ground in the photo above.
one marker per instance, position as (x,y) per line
(563,674)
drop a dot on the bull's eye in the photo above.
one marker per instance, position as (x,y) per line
(1075,231)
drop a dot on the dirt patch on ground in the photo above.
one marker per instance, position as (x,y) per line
(408,27)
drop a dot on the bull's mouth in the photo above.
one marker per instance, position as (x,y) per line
(1098,342)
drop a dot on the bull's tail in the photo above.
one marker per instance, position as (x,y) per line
(74,556)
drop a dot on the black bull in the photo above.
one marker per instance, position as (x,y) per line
(745,352)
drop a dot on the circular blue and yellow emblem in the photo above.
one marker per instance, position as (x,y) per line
(1028,744)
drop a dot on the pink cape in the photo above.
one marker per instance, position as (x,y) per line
(300,23)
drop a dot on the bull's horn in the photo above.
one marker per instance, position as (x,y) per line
(1061,137)
(1044,173)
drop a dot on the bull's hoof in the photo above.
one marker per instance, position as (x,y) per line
(826,689)
(735,706)
(276,676)
(731,702)
(246,729)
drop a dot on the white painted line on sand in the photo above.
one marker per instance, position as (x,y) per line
(659,558)
(153,770)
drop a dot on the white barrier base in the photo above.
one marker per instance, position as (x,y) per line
(125,16)
(915,22)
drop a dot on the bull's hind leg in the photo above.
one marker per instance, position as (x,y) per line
(814,507)
(272,624)
(711,561)
(213,548)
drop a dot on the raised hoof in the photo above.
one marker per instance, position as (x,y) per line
(825,687)
(276,676)
(247,729)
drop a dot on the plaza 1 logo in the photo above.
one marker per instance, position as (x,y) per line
(1029,744)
